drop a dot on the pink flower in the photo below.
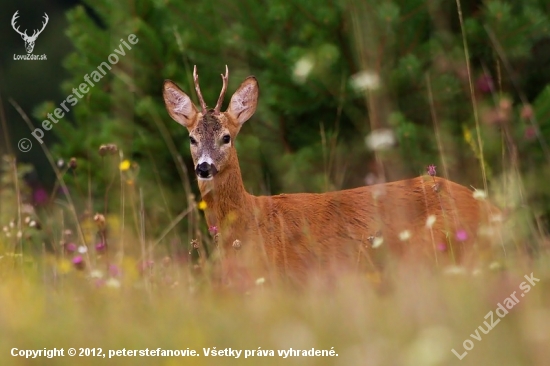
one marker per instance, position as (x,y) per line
(114,270)
(145,266)
(213,230)
(78,262)
(461,235)
(70,247)
(442,247)
(485,84)
(431,170)
(100,247)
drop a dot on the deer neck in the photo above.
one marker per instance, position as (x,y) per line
(225,194)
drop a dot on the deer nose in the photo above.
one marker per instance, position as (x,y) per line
(205,170)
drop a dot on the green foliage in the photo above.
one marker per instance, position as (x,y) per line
(304,54)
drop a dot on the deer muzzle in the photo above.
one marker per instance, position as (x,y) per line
(205,170)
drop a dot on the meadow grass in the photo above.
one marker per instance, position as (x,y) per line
(416,320)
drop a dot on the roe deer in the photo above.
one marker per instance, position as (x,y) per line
(428,216)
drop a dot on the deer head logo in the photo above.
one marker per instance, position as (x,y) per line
(29,40)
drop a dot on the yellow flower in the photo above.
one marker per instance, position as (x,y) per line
(202,205)
(124,165)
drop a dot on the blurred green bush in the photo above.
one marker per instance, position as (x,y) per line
(329,72)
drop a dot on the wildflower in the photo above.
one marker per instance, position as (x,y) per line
(60,163)
(454,270)
(404,235)
(237,244)
(103,150)
(202,205)
(527,112)
(82,249)
(112,283)
(479,194)
(430,221)
(461,235)
(64,266)
(302,69)
(72,163)
(96,273)
(78,262)
(114,270)
(431,169)
(485,84)
(378,241)
(442,247)
(100,247)
(99,220)
(108,149)
(145,265)
(380,139)
(365,80)
(213,230)
(260,281)
(124,165)
(70,247)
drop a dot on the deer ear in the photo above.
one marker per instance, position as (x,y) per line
(178,104)
(243,102)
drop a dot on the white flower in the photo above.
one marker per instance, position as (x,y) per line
(113,283)
(380,139)
(404,235)
(96,273)
(377,242)
(82,249)
(430,221)
(454,270)
(302,68)
(365,80)
(260,281)
(479,194)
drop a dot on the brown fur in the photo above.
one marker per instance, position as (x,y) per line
(299,233)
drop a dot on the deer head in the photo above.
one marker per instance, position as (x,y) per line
(29,40)
(211,132)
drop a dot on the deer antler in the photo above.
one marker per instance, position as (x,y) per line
(15,16)
(198,89)
(35,34)
(222,94)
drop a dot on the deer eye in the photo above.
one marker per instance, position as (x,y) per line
(193,141)
(226,139)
